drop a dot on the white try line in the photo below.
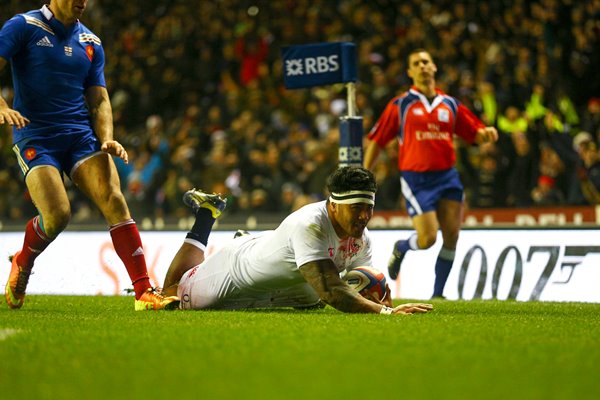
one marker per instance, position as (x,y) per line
(6,333)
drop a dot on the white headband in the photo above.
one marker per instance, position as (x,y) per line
(353,196)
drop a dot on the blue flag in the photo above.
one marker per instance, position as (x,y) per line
(319,64)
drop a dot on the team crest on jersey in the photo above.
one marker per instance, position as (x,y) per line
(354,247)
(350,248)
(193,272)
(29,153)
(89,51)
(443,115)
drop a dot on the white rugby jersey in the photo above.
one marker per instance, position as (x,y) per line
(272,259)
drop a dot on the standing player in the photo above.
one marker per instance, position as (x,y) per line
(296,265)
(62,122)
(424,120)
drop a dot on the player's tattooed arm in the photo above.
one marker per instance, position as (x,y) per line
(325,279)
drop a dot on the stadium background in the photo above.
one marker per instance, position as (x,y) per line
(189,118)
(198,99)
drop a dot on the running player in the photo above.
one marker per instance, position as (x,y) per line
(296,265)
(62,123)
(424,121)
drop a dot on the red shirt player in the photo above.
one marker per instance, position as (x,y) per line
(424,121)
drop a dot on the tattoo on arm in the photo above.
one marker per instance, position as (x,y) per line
(323,276)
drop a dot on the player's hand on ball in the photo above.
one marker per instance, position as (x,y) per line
(116,149)
(413,308)
(387,299)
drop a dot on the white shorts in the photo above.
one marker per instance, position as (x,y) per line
(210,286)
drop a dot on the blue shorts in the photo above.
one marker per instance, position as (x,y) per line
(62,151)
(423,190)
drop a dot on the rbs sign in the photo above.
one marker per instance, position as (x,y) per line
(312,65)
(319,64)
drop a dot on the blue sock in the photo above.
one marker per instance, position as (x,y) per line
(443,265)
(408,244)
(202,226)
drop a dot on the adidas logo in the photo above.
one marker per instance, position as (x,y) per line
(138,252)
(44,42)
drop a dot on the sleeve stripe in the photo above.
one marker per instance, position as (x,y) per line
(22,163)
(34,21)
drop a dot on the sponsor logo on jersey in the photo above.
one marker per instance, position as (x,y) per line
(418,111)
(44,42)
(427,135)
(68,51)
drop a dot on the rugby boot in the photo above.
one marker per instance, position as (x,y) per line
(197,199)
(153,300)
(240,233)
(395,261)
(17,283)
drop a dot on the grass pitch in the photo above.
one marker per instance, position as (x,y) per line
(68,347)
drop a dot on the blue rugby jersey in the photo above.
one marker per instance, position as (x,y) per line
(51,67)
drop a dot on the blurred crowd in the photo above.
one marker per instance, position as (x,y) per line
(198,98)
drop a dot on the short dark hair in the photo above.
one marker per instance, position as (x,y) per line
(345,179)
(415,51)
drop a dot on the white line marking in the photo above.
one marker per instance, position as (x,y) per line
(5,333)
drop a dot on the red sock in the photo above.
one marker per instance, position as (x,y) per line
(34,243)
(128,245)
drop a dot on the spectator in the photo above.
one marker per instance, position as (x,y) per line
(523,172)
(589,170)
(545,192)
(155,65)
(591,119)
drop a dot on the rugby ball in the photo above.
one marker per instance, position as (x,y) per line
(368,282)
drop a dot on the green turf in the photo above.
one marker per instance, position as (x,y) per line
(60,347)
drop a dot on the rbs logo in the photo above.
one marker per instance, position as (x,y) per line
(312,65)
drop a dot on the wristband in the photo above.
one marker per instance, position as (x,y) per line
(386,310)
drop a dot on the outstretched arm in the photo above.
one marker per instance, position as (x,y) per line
(325,279)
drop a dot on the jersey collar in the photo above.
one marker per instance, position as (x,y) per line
(429,107)
(46,12)
(56,25)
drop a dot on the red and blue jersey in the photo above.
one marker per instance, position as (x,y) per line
(52,66)
(425,129)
